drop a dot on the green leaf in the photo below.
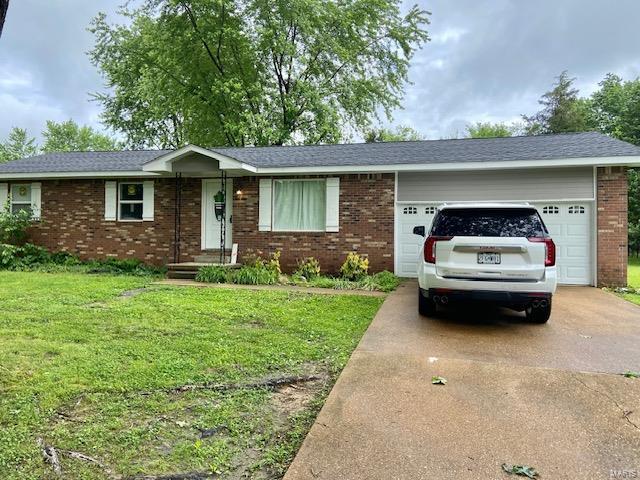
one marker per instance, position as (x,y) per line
(630,374)
(436,380)
(522,470)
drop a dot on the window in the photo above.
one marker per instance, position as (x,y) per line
(430,210)
(20,197)
(130,199)
(488,222)
(551,210)
(299,205)
(576,209)
(409,211)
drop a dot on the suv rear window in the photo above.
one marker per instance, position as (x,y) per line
(488,222)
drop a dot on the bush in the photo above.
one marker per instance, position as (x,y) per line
(309,268)
(213,274)
(385,281)
(14,257)
(13,226)
(130,266)
(354,267)
(255,275)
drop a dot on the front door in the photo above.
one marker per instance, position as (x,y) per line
(210,224)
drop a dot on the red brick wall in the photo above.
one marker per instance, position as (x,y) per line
(612,226)
(73,221)
(366,226)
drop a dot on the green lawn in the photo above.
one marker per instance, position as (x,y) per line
(91,371)
(633,279)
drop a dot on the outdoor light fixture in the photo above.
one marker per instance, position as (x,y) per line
(238,192)
(219,204)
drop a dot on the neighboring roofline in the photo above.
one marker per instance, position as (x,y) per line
(163,162)
(229,163)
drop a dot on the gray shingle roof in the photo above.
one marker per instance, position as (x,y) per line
(542,147)
(131,160)
(573,145)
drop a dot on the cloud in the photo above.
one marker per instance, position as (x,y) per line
(488,59)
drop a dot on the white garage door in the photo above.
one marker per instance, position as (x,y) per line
(409,216)
(568,223)
(570,228)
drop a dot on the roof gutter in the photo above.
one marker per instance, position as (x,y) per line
(631,161)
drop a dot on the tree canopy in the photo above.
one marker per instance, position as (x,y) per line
(58,137)
(70,137)
(562,110)
(253,72)
(402,133)
(17,145)
(488,129)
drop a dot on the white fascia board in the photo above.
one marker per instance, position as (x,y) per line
(54,175)
(163,163)
(457,166)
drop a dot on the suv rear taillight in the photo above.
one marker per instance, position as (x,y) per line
(430,247)
(550,250)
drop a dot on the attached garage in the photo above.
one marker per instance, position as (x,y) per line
(564,197)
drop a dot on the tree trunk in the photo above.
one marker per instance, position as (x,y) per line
(4,6)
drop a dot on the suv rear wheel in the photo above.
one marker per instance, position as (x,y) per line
(539,314)
(426,306)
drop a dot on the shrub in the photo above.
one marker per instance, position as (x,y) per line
(13,226)
(354,267)
(255,275)
(213,274)
(309,268)
(130,266)
(273,263)
(385,281)
(14,257)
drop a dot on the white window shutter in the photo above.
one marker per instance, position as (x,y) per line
(264,206)
(4,195)
(36,200)
(147,201)
(110,200)
(333,205)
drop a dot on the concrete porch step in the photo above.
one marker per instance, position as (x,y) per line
(189,270)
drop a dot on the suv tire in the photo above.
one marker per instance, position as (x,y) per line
(426,306)
(540,314)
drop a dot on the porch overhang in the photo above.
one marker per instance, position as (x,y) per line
(169,163)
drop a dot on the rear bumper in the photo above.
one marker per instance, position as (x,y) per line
(429,279)
(498,297)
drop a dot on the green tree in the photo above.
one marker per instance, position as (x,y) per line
(69,136)
(488,130)
(17,145)
(616,108)
(402,133)
(253,72)
(562,110)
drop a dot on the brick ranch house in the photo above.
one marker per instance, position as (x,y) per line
(325,201)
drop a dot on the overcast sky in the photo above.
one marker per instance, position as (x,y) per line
(488,59)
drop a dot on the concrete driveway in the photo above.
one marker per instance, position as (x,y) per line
(549,396)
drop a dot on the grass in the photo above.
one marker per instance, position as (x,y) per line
(633,280)
(93,371)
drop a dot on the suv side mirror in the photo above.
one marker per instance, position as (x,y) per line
(420,230)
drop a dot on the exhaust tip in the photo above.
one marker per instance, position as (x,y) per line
(444,299)
(543,303)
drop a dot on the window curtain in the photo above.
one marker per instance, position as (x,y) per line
(299,205)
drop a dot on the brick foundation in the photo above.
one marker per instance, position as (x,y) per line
(612,226)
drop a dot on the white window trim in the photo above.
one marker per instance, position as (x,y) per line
(26,202)
(129,202)
(273,202)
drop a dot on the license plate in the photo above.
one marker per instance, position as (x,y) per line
(488,258)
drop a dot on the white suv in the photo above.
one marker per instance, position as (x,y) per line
(496,252)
